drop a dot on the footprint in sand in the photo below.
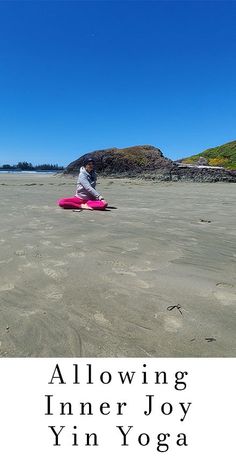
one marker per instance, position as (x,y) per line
(76,254)
(123,272)
(6,261)
(100,318)
(45,243)
(131,249)
(226,298)
(144,269)
(20,253)
(224,284)
(37,254)
(55,263)
(53,274)
(54,295)
(6,287)
(226,293)
(143,284)
(120,267)
(172,324)
(60,263)
(25,266)
(28,313)
(33,225)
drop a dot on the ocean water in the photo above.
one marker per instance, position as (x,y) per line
(29,172)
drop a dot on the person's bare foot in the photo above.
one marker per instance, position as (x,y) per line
(86,207)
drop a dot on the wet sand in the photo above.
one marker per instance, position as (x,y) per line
(102,284)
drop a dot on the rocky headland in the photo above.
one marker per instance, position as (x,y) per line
(148,162)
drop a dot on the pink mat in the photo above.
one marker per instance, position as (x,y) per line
(75,202)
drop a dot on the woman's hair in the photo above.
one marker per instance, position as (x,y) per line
(87,160)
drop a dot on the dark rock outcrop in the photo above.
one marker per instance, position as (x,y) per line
(201,174)
(131,162)
(148,162)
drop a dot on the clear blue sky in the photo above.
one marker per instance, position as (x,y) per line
(80,76)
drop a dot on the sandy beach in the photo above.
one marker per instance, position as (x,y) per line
(154,276)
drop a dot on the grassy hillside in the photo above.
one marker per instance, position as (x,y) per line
(224,155)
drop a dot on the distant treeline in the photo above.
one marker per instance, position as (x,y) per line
(28,166)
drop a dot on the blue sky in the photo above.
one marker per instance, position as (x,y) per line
(79,76)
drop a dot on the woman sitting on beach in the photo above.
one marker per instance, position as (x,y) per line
(86,198)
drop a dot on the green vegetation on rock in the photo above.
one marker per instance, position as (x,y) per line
(224,156)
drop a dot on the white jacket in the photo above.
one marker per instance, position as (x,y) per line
(86,184)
